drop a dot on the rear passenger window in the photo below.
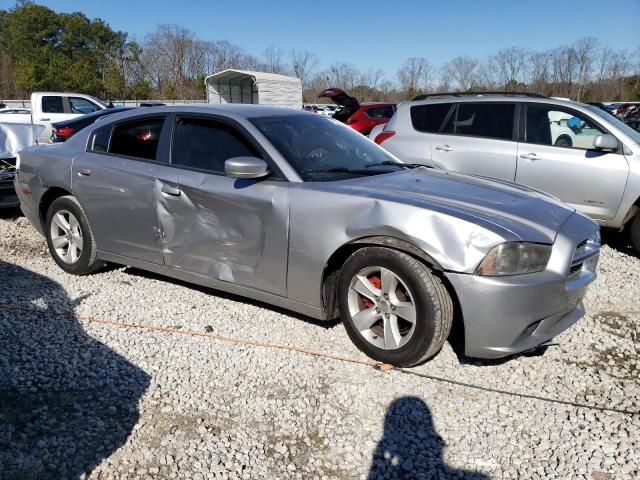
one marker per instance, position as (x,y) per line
(100,140)
(490,120)
(379,112)
(429,118)
(137,139)
(52,105)
(207,144)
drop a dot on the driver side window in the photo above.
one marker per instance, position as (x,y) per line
(546,125)
(205,144)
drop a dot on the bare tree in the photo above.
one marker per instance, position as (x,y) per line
(620,66)
(274,60)
(509,66)
(303,63)
(342,75)
(460,73)
(372,77)
(584,50)
(415,74)
(563,71)
(539,71)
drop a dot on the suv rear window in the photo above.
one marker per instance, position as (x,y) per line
(490,120)
(429,118)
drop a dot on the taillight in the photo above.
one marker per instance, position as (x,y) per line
(63,132)
(384,135)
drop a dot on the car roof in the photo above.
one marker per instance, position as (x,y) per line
(240,109)
(495,98)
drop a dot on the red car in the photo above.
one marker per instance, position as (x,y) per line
(362,117)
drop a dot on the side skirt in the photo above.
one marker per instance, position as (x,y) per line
(203,280)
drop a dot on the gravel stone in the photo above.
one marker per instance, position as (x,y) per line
(84,399)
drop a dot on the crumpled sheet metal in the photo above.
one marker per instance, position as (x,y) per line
(453,243)
(234,231)
(15,137)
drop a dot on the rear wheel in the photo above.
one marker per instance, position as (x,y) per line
(635,232)
(393,308)
(69,237)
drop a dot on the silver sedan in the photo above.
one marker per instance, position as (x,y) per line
(298,211)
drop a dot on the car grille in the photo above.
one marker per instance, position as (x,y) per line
(585,257)
(7,168)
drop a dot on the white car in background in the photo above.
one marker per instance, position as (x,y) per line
(569,131)
(15,115)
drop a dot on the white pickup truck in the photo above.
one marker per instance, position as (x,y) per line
(52,107)
(21,128)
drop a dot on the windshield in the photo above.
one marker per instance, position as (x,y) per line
(616,122)
(320,149)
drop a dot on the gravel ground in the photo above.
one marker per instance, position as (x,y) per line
(80,398)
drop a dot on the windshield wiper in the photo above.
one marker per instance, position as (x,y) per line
(343,170)
(395,164)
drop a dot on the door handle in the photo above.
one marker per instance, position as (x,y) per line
(84,172)
(444,148)
(173,191)
(530,156)
(45,119)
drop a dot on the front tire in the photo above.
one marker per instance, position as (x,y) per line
(634,232)
(69,237)
(393,307)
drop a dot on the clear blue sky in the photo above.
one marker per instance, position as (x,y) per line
(377,34)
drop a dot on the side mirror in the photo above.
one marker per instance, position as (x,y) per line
(246,167)
(605,142)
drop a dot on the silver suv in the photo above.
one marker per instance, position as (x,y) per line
(576,152)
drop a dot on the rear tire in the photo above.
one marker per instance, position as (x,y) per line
(69,237)
(634,232)
(405,315)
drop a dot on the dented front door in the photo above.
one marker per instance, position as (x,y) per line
(228,229)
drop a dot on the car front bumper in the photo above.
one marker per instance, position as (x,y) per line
(507,315)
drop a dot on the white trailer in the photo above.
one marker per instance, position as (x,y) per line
(242,86)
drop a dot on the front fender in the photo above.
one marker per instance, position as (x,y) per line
(323,222)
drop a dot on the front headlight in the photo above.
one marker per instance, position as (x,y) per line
(515,258)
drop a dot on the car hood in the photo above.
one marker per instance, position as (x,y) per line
(501,206)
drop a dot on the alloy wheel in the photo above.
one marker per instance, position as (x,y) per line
(382,307)
(66,236)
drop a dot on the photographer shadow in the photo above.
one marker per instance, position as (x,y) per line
(410,447)
(67,401)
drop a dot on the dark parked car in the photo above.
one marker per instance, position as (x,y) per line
(362,117)
(633,119)
(62,131)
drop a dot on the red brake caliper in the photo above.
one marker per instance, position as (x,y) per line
(376,282)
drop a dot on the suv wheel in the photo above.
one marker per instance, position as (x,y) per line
(69,237)
(635,232)
(393,308)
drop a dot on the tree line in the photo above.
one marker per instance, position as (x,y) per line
(44,50)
